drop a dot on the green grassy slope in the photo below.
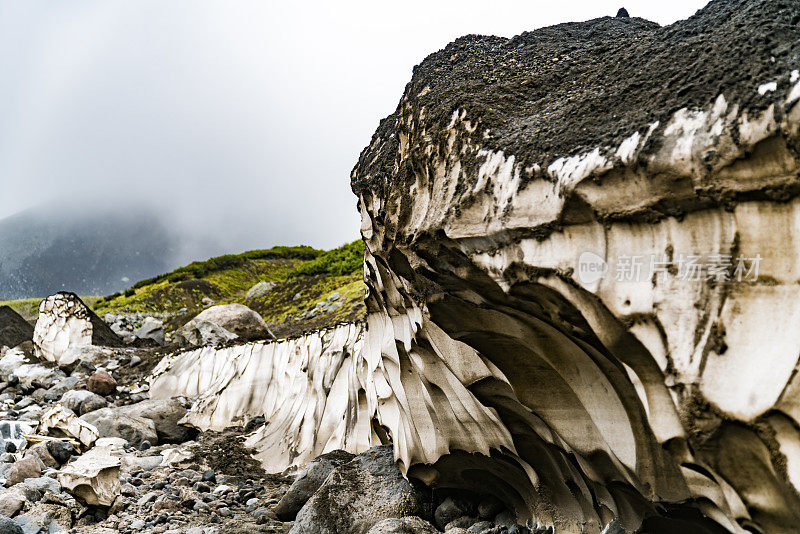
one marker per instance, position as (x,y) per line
(312,289)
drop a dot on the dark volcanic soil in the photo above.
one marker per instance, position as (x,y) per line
(561,90)
(224,452)
(13,328)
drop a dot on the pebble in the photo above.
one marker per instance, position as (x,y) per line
(222,488)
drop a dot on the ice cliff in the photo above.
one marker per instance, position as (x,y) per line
(582,250)
(584,293)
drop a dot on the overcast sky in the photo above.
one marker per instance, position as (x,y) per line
(242,118)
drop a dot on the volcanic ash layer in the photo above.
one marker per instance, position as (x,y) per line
(495,363)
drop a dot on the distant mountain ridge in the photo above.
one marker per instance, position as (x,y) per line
(84,249)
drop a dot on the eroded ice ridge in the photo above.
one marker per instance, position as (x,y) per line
(305,387)
(491,361)
(581,398)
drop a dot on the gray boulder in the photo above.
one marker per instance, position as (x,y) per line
(360,494)
(7,526)
(11,501)
(197,333)
(165,415)
(43,484)
(82,401)
(151,329)
(235,318)
(451,509)
(489,506)
(404,525)
(43,454)
(259,290)
(60,450)
(308,482)
(61,387)
(112,424)
(27,467)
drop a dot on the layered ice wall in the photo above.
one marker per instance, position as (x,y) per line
(582,257)
(305,387)
(584,297)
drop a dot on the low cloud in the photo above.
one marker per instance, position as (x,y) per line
(238,120)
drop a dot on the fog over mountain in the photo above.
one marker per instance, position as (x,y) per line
(92,251)
(235,122)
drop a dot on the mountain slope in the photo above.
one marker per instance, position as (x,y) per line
(306,288)
(93,252)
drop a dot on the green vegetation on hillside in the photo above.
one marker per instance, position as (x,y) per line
(341,261)
(199,269)
(311,288)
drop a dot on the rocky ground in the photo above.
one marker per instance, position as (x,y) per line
(88,450)
(170,479)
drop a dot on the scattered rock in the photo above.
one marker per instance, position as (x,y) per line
(359,494)
(27,467)
(405,525)
(151,329)
(8,526)
(61,422)
(482,527)
(11,502)
(93,477)
(112,423)
(45,517)
(61,387)
(82,401)
(17,363)
(101,383)
(308,482)
(462,522)
(259,290)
